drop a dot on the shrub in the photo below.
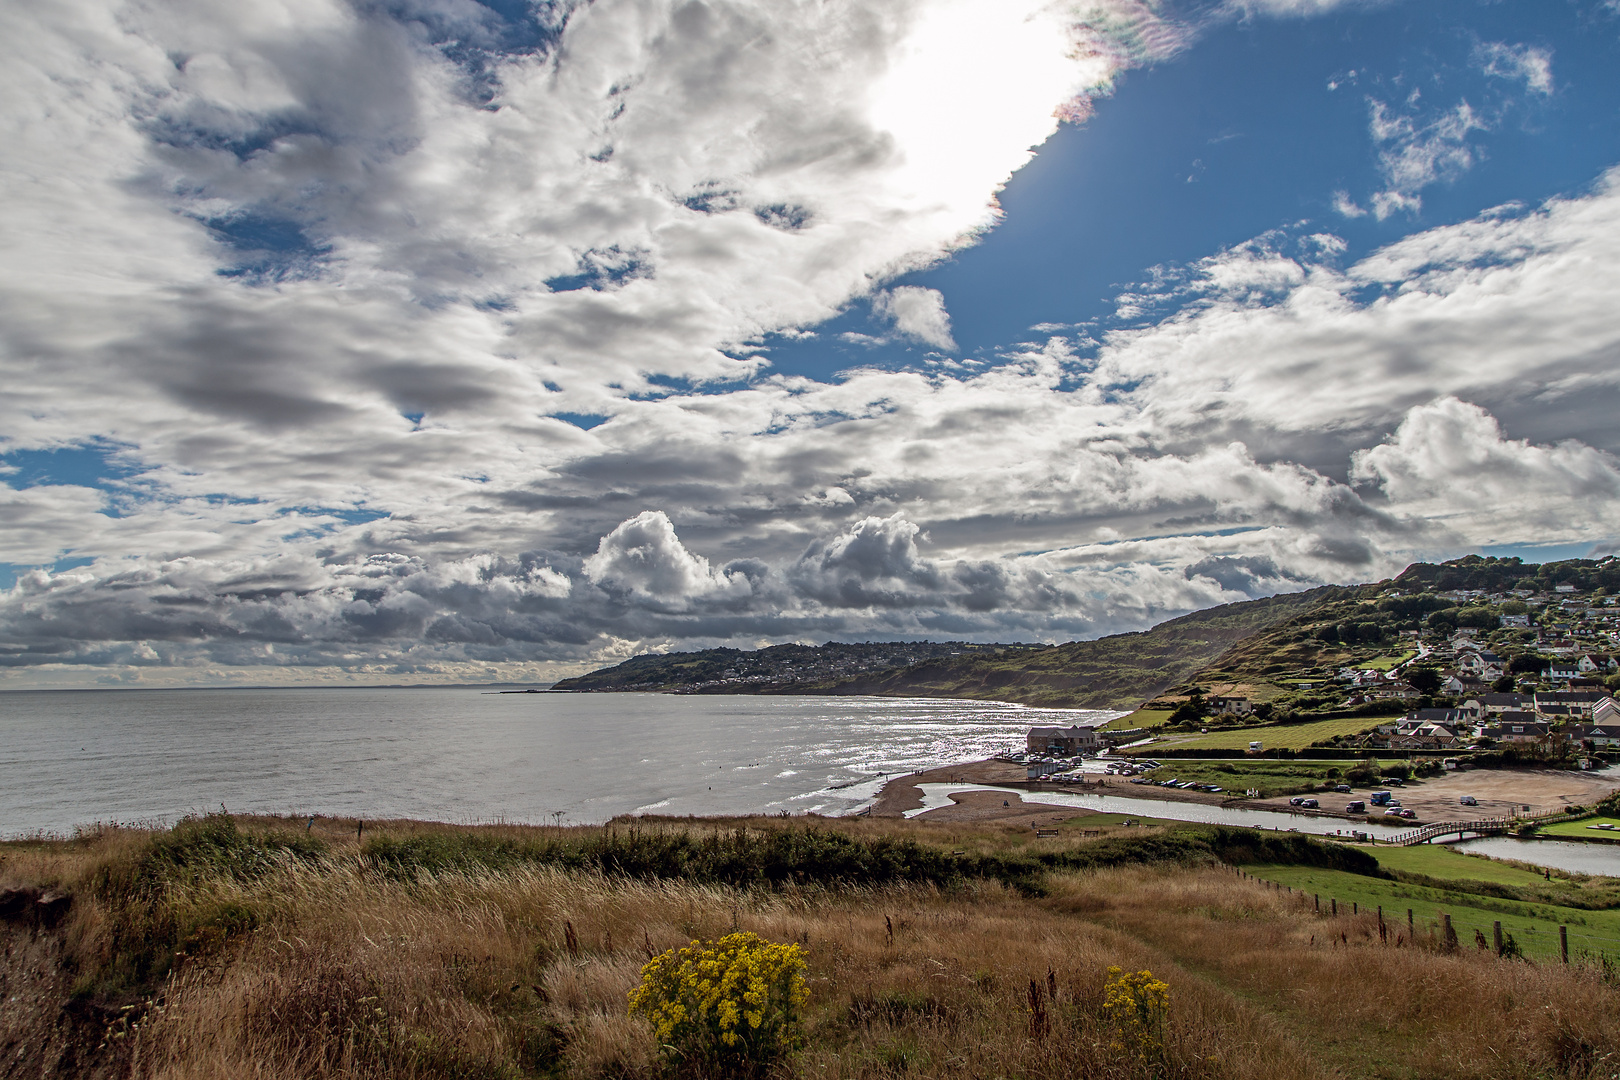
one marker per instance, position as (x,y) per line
(732,1006)
(1136,1007)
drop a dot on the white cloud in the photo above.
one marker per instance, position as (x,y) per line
(1298,8)
(1345,206)
(644,558)
(1414,155)
(1448,461)
(918,314)
(1529,64)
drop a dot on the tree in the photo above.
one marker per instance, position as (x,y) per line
(1526,664)
(1505,685)
(1370,632)
(1424,679)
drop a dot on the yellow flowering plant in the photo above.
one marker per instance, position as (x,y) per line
(737,1002)
(1137,1007)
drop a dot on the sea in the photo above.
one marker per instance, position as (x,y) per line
(70,759)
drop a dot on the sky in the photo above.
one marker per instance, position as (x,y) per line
(375,341)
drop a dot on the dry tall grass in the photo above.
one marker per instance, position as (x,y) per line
(333,970)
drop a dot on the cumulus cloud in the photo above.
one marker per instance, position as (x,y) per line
(644,558)
(918,314)
(1449,460)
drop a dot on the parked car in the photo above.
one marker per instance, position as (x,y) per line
(1393,811)
(1309,804)
(1342,789)
(1357,807)
(1297,800)
(1469,800)
(1406,812)
(1394,781)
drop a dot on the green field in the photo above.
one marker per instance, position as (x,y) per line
(1274,736)
(1148,718)
(1533,926)
(1384,663)
(1440,861)
(1271,777)
(1578,830)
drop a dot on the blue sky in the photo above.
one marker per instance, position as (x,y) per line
(466,340)
(1257,127)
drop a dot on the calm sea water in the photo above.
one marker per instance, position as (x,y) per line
(69,758)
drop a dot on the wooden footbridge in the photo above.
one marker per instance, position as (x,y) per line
(1435,830)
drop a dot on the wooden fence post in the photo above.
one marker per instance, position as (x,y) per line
(1496,934)
(1563,942)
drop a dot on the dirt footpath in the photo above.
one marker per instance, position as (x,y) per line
(1500,792)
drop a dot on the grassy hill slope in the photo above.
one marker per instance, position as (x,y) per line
(1112,672)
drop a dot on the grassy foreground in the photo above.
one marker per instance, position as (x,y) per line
(228,948)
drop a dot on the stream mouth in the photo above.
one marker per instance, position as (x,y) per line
(1570,856)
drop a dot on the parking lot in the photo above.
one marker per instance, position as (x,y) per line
(1501,793)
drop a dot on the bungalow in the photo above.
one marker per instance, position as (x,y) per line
(1394,692)
(1564,587)
(1452,718)
(1597,662)
(1513,622)
(1232,706)
(1065,742)
(1596,736)
(1484,705)
(1517,728)
(1426,737)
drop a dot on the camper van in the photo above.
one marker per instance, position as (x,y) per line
(1256,747)
(1379,798)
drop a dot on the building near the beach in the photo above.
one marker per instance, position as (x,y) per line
(1064,741)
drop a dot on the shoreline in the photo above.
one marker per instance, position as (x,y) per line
(1500,793)
(901,794)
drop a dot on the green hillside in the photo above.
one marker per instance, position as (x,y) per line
(1112,672)
(1281,653)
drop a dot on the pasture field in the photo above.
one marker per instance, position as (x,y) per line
(1440,861)
(1141,718)
(1579,830)
(1274,736)
(1533,926)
